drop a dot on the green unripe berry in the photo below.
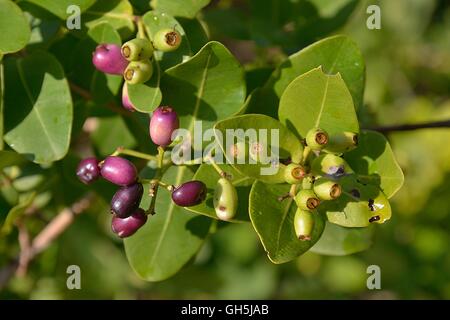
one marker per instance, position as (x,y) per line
(380,208)
(326,189)
(167,40)
(137,49)
(342,142)
(138,72)
(294,173)
(303,224)
(225,199)
(316,139)
(238,152)
(307,200)
(330,165)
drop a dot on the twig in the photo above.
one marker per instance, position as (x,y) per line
(408,127)
(86,95)
(49,234)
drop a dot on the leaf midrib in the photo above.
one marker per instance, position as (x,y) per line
(283,219)
(322,106)
(168,219)
(34,107)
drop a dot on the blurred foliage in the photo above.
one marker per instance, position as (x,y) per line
(408,81)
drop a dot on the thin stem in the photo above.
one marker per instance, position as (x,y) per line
(141,28)
(153,191)
(133,153)
(416,126)
(215,166)
(293,190)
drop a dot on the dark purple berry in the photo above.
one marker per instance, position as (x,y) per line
(88,170)
(126,200)
(162,124)
(108,58)
(119,171)
(189,194)
(128,226)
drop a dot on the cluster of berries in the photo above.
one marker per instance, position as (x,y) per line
(134,59)
(320,181)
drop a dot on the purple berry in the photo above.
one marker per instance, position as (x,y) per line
(128,226)
(119,171)
(189,194)
(108,58)
(162,124)
(126,200)
(126,102)
(88,170)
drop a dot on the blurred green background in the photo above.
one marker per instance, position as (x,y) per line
(408,81)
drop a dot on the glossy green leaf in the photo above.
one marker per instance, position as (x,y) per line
(14,29)
(155,21)
(318,100)
(351,211)
(208,87)
(119,13)
(287,143)
(179,8)
(15,213)
(105,87)
(110,134)
(340,241)
(209,176)
(170,238)
(273,221)
(337,54)
(375,162)
(146,97)
(38,108)
(59,8)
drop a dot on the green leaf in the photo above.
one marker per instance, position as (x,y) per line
(15,213)
(179,8)
(334,54)
(155,21)
(104,87)
(2,89)
(111,133)
(209,176)
(273,221)
(208,87)
(59,8)
(119,13)
(287,143)
(340,241)
(38,107)
(14,29)
(170,238)
(374,161)
(10,158)
(146,96)
(317,100)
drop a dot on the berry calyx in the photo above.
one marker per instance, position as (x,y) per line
(307,200)
(88,170)
(126,200)
(119,171)
(163,123)
(138,72)
(107,58)
(326,189)
(225,199)
(342,142)
(126,102)
(189,194)
(137,49)
(303,224)
(128,226)
(294,173)
(167,40)
(316,139)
